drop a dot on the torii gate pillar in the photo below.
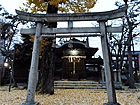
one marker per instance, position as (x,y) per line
(33,74)
(107,66)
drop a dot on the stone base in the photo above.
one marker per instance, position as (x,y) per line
(30,103)
(118,85)
(111,104)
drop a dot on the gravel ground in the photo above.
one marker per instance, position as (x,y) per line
(69,97)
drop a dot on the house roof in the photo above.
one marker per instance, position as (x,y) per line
(89,51)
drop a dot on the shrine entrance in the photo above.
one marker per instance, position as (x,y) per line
(74,61)
(102,30)
(74,67)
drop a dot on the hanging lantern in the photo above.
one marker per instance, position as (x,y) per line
(70,45)
(54,43)
(87,43)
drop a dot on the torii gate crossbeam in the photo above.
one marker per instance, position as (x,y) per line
(101,17)
(92,16)
(46,30)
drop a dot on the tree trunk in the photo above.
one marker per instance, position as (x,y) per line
(130,68)
(46,77)
(52,9)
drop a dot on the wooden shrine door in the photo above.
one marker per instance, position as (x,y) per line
(74,70)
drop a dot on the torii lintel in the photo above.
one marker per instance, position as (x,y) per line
(91,16)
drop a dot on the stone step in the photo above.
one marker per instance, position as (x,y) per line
(75,82)
(77,85)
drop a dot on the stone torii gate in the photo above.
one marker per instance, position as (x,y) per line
(100,17)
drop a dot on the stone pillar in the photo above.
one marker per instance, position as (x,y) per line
(139,62)
(1,46)
(1,57)
(119,76)
(1,61)
(115,75)
(33,74)
(107,66)
(103,76)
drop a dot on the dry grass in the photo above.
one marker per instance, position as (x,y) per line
(69,97)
